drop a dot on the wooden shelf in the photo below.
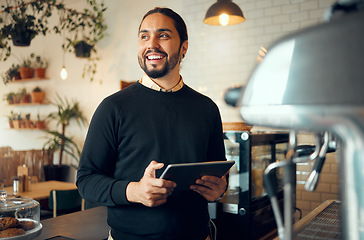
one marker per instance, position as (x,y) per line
(28,104)
(28,129)
(28,80)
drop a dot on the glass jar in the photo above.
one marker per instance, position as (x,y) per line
(24,212)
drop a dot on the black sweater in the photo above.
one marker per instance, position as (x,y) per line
(130,129)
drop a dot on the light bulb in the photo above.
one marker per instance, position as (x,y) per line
(64,73)
(224,19)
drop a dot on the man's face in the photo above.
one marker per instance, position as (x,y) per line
(159,45)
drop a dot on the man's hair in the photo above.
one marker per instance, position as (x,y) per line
(179,24)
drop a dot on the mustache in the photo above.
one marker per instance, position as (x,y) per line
(155,51)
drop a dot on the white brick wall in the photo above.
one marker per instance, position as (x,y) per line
(220,57)
(328,187)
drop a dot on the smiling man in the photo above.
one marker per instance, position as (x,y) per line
(135,133)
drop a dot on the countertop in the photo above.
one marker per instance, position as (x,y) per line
(84,225)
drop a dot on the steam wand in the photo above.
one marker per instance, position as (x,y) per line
(295,155)
(285,231)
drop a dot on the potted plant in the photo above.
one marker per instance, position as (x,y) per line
(11,118)
(39,64)
(20,23)
(67,112)
(28,122)
(83,49)
(24,96)
(9,97)
(55,143)
(17,121)
(24,20)
(16,97)
(11,74)
(40,124)
(87,29)
(37,95)
(25,69)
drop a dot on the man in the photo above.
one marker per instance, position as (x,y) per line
(135,133)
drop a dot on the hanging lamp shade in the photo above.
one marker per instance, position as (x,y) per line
(224,12)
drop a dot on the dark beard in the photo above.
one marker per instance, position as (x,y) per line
(168,65)
(156,73)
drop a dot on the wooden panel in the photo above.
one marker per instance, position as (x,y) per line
(124,84)
(10,160)
(236,126)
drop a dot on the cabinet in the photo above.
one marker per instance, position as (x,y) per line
(245,211)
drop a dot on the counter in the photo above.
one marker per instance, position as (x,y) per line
(84,225)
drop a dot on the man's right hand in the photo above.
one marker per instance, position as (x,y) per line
(150,191)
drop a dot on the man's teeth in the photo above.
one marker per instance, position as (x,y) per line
(153,57)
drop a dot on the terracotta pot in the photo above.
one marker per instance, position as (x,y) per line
(41,124)
(37,97)
(39,72)
(28,124)
(16,99)
(25,98)
(17,124)
(26,72)
(10,101)
(11,124)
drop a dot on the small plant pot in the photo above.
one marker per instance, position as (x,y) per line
(26,72)
(25,99)
(10,101)
(17,77)
(28,124)
(16,99)
(21,40)
(37,97)
(83,49)
(41,124)
(11,124)
(17,124)
(39,72)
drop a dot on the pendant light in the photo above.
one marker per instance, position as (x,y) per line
(63,72)
(224,12)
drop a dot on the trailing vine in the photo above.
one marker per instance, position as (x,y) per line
(28,19)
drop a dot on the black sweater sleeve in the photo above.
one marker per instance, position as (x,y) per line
(95,179)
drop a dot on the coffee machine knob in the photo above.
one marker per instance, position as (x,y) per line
(242,211)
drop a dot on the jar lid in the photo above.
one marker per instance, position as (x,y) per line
(11,204)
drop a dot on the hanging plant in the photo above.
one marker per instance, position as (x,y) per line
(87,28)
(83,49)
(21,21)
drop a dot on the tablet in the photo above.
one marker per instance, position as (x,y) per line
(186,174)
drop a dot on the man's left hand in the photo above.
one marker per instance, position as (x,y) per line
(210,187)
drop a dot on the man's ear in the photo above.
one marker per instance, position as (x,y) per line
(184,48)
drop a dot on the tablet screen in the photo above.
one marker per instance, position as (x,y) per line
(186,174)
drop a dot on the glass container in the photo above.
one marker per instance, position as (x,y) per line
(24,211)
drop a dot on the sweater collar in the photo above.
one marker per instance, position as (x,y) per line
(148,82)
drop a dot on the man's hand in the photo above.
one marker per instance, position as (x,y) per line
(150,191)
(210,187)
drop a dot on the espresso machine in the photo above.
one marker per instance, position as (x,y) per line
(313,81)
